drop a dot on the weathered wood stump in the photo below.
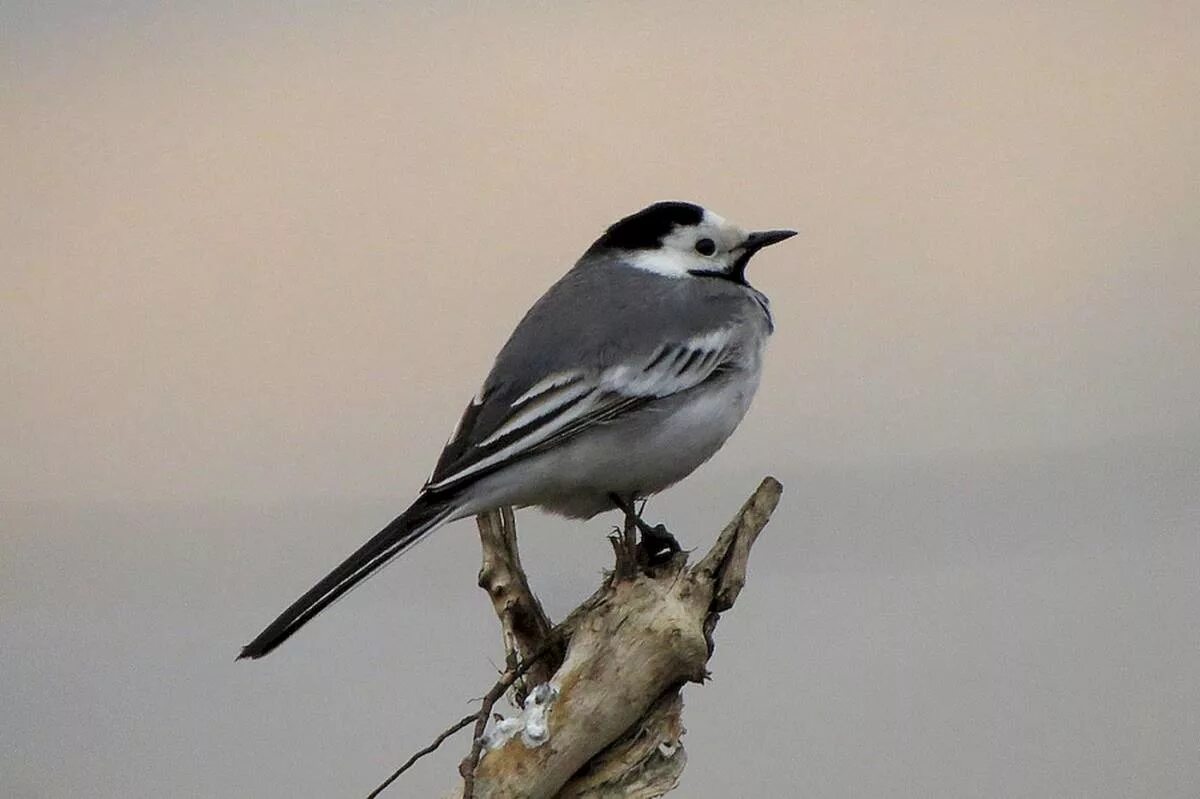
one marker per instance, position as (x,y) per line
(601,692)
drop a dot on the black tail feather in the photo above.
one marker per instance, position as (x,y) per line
(404,531)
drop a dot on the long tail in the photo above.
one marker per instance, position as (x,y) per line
(404,531)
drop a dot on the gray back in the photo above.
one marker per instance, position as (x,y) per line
(602,313)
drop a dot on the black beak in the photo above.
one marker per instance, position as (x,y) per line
(765,238)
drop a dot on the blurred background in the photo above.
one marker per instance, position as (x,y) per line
(257,256)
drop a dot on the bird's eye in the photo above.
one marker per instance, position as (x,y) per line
(706,247)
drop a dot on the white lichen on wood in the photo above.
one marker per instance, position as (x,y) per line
(532,724)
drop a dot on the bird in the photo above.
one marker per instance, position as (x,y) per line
(631,371)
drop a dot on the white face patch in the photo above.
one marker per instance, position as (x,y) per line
(678,256)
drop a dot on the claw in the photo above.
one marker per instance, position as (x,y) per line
(657,541)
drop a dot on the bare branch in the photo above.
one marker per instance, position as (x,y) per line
(523,622)
(725,564)
(453,728)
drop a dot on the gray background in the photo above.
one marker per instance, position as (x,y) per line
(255,261)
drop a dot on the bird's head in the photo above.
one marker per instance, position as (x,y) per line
(683,240)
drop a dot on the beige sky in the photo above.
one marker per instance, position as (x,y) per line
(274,258)
(255,260)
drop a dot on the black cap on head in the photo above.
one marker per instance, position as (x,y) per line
(645,229)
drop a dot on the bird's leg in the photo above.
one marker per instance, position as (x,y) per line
(624,544)
(656,539)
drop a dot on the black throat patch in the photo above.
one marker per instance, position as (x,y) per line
(736,273)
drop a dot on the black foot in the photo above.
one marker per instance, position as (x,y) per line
(657,541)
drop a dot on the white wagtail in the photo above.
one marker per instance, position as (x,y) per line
(630,372)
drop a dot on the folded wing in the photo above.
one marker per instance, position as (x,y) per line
(508,423)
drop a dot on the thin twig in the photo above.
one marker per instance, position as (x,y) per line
(467,767)
(512,673)
(436,743)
